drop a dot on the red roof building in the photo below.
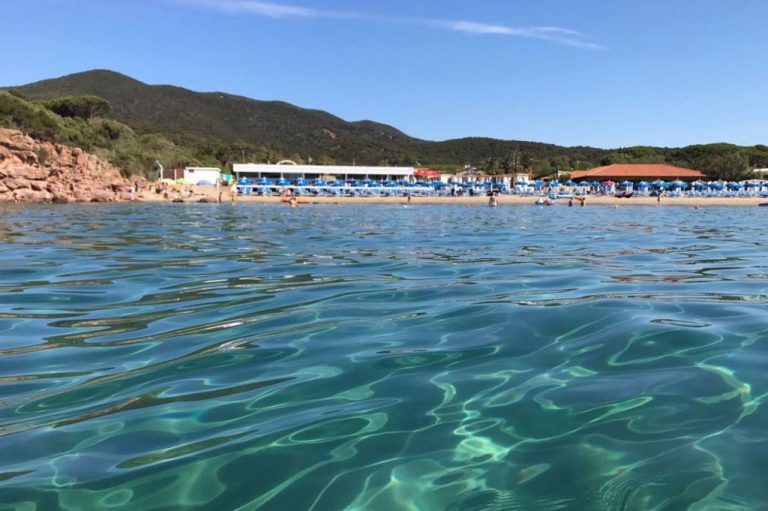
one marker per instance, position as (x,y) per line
(638,172)
(426,173)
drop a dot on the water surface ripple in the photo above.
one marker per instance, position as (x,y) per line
(155,357)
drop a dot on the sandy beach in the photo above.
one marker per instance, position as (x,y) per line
(209,194)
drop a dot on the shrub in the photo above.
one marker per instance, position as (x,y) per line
(83,107)
(42,155)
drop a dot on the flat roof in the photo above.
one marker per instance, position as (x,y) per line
(355,170)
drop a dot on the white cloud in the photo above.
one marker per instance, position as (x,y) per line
(557,35)
(268,9)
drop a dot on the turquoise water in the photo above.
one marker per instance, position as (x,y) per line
(383,358)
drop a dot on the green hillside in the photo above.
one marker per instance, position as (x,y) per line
(180,113)
(177,127)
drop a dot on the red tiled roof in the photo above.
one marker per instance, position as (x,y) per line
(638,170)
(426,173)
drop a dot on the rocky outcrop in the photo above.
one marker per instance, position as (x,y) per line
(32,171)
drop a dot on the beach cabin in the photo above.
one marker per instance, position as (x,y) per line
(201,175)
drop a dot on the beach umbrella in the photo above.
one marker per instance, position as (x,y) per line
(716,186)
(753,184)
(679,184)
(536,184)
(643,184)
(698,185)
(570,183)
(554,183)
(282,182)
(733,185)
(626,183)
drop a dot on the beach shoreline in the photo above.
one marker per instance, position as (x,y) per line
(210,194)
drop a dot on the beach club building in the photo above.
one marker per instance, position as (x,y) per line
(291,171)
(638,172)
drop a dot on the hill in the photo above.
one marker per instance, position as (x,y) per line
(178,111)
(178,126)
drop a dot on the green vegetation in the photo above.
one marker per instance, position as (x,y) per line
(42,155)
(133,125)
(83,107)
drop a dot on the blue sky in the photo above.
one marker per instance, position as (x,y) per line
(605,73)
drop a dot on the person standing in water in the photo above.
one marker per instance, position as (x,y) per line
(233,191)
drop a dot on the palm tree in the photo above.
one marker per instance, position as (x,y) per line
(507,164)
(489,165)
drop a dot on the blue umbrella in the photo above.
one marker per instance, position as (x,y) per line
(643,184)
(698,185)
(554,183)
(626,183)
(570,183)
(679,184)
(734,185)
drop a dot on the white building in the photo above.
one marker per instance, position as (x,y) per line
(201,175)
(290,170)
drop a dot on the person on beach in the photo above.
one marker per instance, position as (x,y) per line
(233,191)
(570,203)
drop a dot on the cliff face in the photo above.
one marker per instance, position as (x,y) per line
(32,171)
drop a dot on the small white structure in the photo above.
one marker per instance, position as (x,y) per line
(201,175)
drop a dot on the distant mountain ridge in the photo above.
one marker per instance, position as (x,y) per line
(178,126)
(220,115)
(166,108)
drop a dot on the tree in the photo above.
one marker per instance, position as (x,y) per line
(324,159)
(526,162)
(83,107)
(730,167)
(507,164)
(489,165)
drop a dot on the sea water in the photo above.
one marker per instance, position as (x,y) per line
(165,357)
